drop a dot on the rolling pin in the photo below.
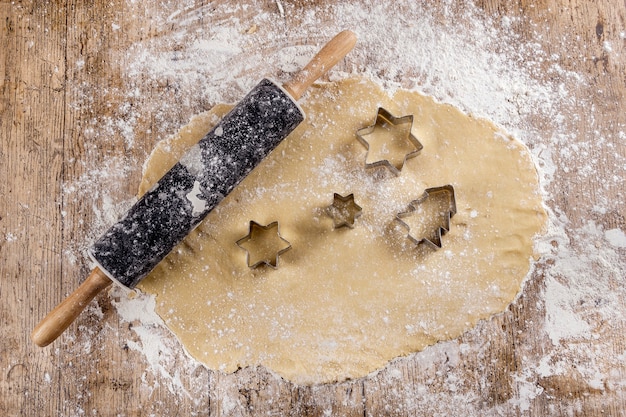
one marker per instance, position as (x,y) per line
(183,197)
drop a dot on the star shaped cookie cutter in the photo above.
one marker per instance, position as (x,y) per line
(344,210)
(433,241)
(398,133)
(263,244)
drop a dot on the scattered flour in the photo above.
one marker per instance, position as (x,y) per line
(160,349)
(616,238)
(198,204)
(455,54)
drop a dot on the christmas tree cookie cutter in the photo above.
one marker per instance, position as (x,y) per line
(447,209)
(263,245)
(397,131)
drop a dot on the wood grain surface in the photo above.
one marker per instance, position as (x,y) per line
(62,75)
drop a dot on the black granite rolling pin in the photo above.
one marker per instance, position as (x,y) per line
(179,201)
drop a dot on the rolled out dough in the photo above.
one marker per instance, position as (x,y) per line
(343,302)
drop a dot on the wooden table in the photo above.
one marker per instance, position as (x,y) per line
(63,84)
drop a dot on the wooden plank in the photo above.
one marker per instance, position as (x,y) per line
(66,109)
(255,391)
(103,145)
(32,124)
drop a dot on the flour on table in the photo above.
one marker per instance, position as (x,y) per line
(455,54)
(616,238)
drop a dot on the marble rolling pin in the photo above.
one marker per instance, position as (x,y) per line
(179,201)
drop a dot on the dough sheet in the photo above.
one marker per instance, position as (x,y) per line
(343,302)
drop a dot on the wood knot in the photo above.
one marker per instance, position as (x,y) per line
(599,29)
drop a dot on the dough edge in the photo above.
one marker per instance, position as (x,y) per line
(335,368)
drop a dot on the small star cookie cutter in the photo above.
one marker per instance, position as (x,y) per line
(386,123)
(263,244)
(344,210)
(433,241)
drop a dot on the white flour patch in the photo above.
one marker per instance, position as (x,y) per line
(198,205)
(160,350)
(616,238)
(192,161)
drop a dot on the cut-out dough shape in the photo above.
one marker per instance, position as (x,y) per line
(344,211)
(263,244)
(389,141)
(344,304)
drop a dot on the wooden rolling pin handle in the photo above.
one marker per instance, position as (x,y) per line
(64,314)
(333,52)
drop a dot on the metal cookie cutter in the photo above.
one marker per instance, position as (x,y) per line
(395,135)
(439,225)
(263,244)
(344,210)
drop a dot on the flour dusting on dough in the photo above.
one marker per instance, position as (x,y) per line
(315,318)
